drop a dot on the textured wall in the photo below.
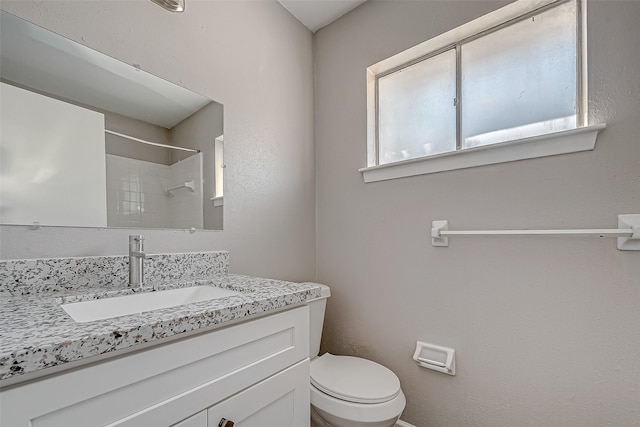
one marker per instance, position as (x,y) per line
(547,330)
(254,58)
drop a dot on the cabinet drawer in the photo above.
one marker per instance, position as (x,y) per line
(281,400)
(197,420)
(173,376)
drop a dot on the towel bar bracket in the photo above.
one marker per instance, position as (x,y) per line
(629,243)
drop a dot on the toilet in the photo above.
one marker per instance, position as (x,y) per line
(349,391)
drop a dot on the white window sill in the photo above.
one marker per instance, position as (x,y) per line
(570,141)
(217,201)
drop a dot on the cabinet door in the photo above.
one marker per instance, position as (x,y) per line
(198,420)
(281,400)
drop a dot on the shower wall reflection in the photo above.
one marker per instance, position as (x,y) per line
(138,196)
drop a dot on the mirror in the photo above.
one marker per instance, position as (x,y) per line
(89,141)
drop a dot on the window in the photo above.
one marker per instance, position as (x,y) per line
(507,86)
(219,166)
(416,110)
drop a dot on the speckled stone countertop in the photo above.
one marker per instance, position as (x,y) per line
(36,333)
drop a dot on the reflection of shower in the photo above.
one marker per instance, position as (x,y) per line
(168,196)
(189,185)
(171,5)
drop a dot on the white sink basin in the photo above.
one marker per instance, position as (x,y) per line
(98,309)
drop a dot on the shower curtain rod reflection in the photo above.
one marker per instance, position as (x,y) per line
(157,144)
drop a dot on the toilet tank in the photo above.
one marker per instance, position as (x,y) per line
(316,319)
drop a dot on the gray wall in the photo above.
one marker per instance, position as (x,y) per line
(254,58)
(199,131)
(124,147)
(547,330)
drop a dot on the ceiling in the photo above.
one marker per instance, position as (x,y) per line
(315,14)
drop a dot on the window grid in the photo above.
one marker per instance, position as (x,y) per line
(458,100)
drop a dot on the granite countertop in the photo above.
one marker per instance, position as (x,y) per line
(36,333)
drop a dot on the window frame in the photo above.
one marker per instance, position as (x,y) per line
(218,167)
(581,138)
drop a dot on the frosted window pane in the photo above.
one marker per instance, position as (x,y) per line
(416,114)
(521,81)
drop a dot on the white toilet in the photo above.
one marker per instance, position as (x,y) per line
(349,391)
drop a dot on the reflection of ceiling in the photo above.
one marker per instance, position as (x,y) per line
(35,58)
(315,14)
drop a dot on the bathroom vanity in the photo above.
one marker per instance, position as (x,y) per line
(243,358)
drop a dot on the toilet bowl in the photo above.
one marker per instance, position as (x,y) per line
(353,392)
(349,391)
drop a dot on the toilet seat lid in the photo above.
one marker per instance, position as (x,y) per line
(354,379)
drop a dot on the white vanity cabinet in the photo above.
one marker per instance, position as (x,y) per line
(254,373)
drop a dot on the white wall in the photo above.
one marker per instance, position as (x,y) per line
(254,58)
(50,174)
(547,330)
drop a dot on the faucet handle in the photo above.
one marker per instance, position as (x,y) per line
(136,238)
(136,243)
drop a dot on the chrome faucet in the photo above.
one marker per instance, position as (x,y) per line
(136,261)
